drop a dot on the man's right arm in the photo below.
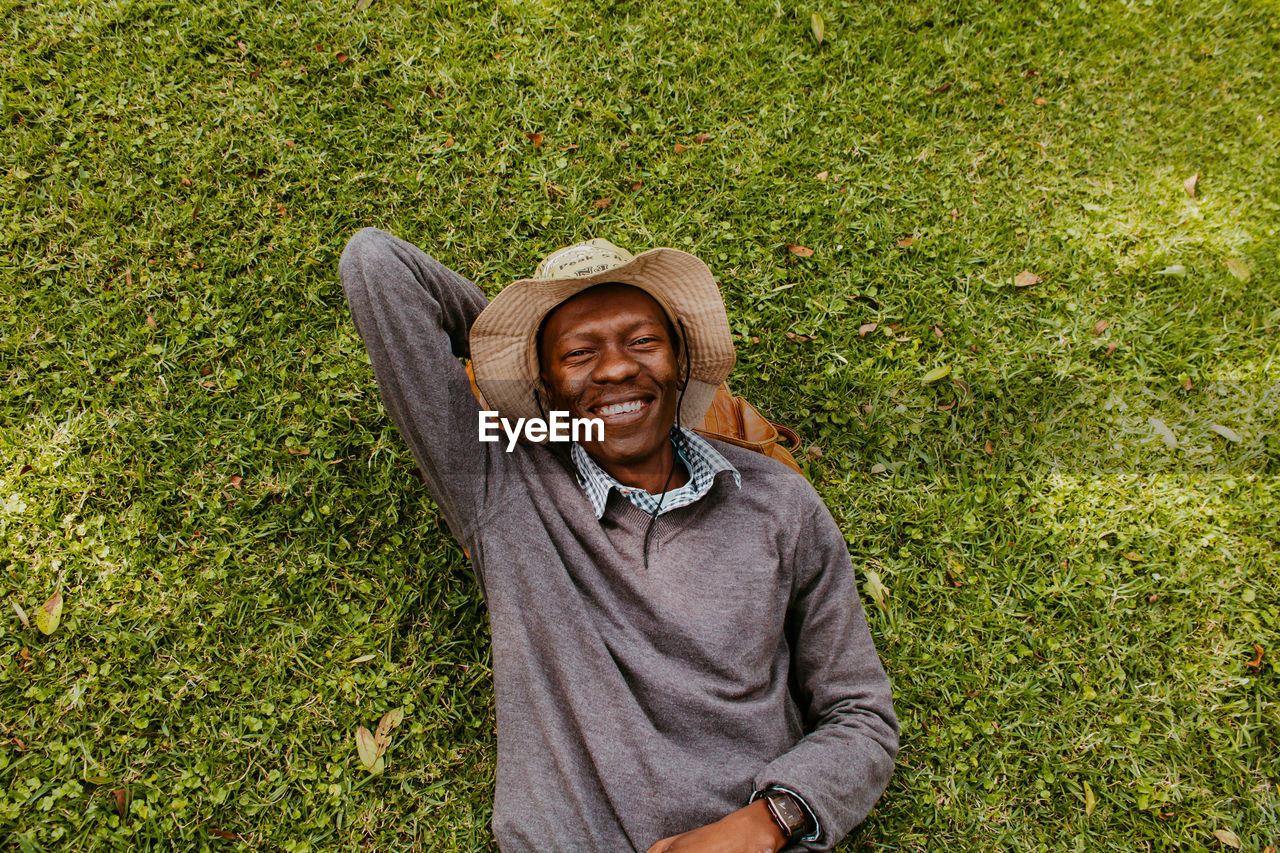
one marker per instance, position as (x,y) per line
(414,315)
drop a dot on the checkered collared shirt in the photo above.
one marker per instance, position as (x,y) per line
(702,461)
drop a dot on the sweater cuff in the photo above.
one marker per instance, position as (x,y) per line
(813,818)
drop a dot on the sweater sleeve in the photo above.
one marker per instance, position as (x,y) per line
(843,763)
(414,315)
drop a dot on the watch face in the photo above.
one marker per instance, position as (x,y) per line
(786,810)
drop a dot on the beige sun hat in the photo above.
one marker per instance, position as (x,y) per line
(504,348)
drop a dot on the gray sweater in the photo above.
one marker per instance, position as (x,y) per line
(632,705)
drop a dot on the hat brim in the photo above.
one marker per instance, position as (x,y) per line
(503,339)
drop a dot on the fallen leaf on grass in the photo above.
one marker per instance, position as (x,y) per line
(988,449)
(637,185)
(342,57)
(1191,183)
(678,148)
(878,468)
(877,590)
(1040,102)
(448,143)
(1227,837)
(814,452)
(936,374)
(50,614)
(1256,663)
(235,481)
(390,721)
(361,659)
(798,339)
(186,182)
(822,176)
(602,203)
(222,833)
(122,801)
(1111,349)
(1166,434)
(817,26)
(1226,432)
(907,242)
(1132,556)
(701,138)
(1238,268)
(867,328)
(535,138)
(1026,278)
(22,614)
(954,214)
(1187,384)
(151,321)
(799,251)
(1089,801)
(1100,327)
(367,747)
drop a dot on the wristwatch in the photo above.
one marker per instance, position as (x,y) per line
(786,812)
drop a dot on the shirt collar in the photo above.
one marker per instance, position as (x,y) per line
(702,460)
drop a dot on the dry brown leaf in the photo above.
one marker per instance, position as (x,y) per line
(222,833)
(800,251)
(988,449)
(678,148)
(702,137)
(1191,184)
(236,481)
(1026,278)
(122,801)
(128,277)
(1187,385)
(637,185)
(822,176)
(799,339)
(868,408)
(937,332)
(1111,349)
(867,328)
(244,48)
(1256,663)
(602,203)
(572,146)
(1132,556)
(186,182)
(535,137)
(907,242)
(1100,326)
(1040,102)
(954,214)
(448,143)
(814,452)
(1227,837)
(151,321)
(342,57)
(948,407)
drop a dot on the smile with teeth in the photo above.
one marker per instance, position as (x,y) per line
(621,408)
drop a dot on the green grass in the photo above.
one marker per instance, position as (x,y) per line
(192,447)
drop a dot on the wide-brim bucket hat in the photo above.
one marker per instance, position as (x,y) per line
(504,338)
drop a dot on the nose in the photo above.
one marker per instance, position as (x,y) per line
(615,365)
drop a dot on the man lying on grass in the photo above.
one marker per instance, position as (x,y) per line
(681,662)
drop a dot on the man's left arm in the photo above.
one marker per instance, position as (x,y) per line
(842,766)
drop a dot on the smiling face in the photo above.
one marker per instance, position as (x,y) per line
(609,352)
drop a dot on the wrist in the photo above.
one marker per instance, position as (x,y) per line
(762,818)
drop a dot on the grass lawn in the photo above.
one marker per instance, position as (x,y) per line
(1068,542)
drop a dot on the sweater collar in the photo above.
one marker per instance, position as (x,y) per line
(702,461)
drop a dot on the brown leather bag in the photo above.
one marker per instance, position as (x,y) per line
(734,420)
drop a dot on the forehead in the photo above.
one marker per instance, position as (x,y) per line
(601,304)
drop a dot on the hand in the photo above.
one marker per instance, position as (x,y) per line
(748,830)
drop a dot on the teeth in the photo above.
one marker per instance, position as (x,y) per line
(622,408)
